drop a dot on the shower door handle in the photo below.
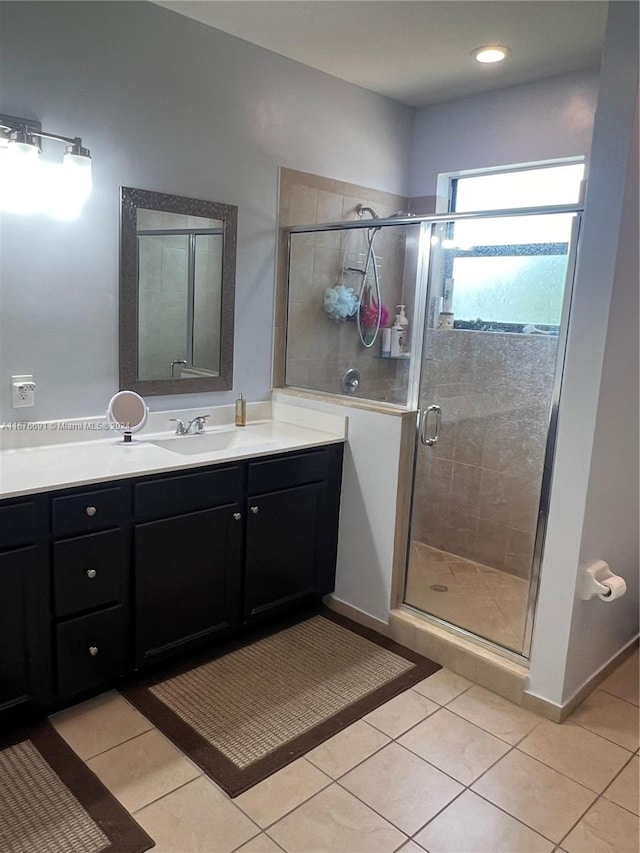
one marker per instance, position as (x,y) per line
(432,438)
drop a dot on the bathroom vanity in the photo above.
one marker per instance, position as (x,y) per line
(105,578)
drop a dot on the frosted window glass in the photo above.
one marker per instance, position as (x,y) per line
(524,188)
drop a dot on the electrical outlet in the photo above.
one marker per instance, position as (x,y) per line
(23,391)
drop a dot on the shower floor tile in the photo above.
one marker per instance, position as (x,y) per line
(485,601)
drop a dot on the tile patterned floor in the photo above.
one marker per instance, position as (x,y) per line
(482,600)
(446,767)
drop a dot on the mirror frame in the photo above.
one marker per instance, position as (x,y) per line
(131,200)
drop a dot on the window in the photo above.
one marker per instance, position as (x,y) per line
(509,273)
(530,187)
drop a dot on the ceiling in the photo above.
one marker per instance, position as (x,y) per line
(416,51)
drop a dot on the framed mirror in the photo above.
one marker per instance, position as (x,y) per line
(177,293)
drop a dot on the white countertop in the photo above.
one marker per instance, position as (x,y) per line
(46,467)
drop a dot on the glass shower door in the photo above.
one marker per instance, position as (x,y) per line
(497,310)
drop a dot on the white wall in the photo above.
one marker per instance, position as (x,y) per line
(367,506)
(591,514)
(610,529)
(166,104)
(549,119)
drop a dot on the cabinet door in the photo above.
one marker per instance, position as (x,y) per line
(21,649)
(282,548)
(187,580)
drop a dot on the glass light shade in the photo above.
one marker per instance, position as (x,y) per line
(491,53)
(77,175)
(19,179)
(24,150)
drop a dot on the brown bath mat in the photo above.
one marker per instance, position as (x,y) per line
(52,803)
(245,714)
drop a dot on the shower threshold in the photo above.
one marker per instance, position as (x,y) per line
(469,596)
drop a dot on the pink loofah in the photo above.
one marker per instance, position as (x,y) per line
(369,315)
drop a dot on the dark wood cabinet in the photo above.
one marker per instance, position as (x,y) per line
(24,653)
(97,582)
(187,580)
(282,531)
(91,650)
(292,533)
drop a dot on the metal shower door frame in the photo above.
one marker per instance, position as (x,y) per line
(422,301)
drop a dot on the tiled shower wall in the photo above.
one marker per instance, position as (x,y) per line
(477,490)
(320,350)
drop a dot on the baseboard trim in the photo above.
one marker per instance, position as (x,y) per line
(356,615)
(559,713)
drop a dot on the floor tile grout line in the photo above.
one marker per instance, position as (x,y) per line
(615,696)
(366,758)
(253,838)
(161,797)
(619,773)
(517,819)
(576,723)
(330,782)
(571,778)
(116,745)
(580,819)
(493,733)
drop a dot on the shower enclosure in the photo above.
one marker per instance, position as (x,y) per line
(345,281)
(488,298)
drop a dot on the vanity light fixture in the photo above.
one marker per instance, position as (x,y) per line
(490,53)
(28,183)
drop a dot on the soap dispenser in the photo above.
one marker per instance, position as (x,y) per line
(241,411)
(399,333)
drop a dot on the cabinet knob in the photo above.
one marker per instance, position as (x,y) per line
(255,510)
(93,651)
(237,516)
(91,511)
(90,573)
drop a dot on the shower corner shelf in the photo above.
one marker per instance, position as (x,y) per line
(404,357)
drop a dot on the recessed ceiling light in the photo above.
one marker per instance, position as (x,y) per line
(490,53)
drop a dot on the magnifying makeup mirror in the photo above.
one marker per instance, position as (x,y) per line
(127,411)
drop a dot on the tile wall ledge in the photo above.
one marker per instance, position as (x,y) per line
(291,394)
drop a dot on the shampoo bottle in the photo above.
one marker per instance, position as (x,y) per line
(399,333)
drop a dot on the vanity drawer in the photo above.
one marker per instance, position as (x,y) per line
(171,496)
(89,511)
(17,525)
(274,474)
(89,571)
(91,650)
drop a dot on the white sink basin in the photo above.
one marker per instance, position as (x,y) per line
(209,442)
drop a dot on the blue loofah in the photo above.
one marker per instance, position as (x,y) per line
(340,302)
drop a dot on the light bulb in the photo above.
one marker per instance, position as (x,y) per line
(77,175)
(490,53)
(19,179)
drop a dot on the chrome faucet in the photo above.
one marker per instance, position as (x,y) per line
(197,423)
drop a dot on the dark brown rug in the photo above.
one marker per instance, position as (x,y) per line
(50,802)
(243,714)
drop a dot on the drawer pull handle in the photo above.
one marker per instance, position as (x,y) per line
(91,511)
(93,651)
(237,516)
(91,573)
(255,510)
